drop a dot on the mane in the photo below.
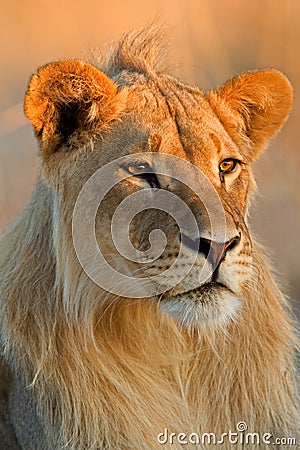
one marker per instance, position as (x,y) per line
(139,51)
(83,359)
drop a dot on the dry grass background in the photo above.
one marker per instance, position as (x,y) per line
(211,40)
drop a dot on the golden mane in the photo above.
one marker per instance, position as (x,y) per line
(140,51)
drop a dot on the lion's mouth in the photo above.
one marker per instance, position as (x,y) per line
(198,292)
(212,304)
(207,287)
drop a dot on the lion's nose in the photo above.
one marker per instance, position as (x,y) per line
(213,251)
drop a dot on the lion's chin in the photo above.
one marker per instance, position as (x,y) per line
(210,305)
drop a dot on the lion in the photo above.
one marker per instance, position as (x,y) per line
(199,362)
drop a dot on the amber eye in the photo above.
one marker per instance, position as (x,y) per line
(228,165)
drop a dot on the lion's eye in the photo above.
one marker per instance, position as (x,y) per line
(138,169)
(144,171)
(228,165)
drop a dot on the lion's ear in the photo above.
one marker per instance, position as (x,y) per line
(65,97)
(252,108)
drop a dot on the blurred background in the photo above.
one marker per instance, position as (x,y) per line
(210,41)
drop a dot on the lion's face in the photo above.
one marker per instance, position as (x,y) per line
(217,261)
(167,141)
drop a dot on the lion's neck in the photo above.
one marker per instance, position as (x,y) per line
(27,273)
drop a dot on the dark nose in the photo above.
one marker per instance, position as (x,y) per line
(213,251)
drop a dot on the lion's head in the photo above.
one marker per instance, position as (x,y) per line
(85,118)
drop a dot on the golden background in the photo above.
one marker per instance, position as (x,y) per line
(210,41)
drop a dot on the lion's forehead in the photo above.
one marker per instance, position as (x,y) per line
(166,97)
(178,116)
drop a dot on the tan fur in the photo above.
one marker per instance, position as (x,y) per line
(109,372)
